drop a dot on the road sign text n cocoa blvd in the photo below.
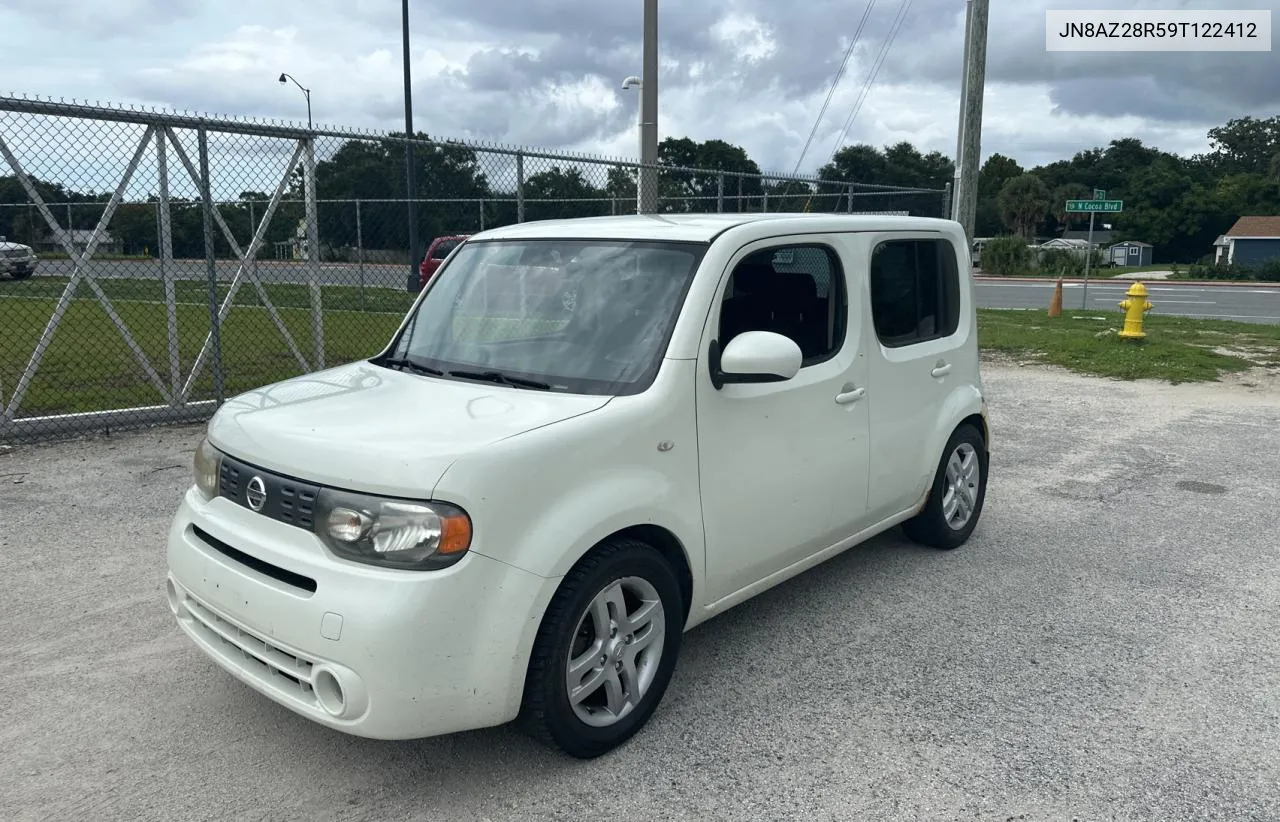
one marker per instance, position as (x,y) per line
(1086,206)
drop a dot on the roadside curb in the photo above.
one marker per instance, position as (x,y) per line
(1111,281)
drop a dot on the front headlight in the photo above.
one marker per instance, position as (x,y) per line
(206,464)
(417,536)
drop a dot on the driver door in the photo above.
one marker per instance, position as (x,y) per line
(783,466)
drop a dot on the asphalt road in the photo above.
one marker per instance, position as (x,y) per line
(1106,647)
(1225,302)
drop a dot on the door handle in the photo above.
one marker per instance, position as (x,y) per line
(851,395)
(942,369)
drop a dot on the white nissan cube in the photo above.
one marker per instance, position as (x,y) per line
(586,437)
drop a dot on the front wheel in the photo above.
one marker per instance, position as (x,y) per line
(605,651)
(22,273)
(958,493)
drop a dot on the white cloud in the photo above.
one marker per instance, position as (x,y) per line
(547,73)
(746,35)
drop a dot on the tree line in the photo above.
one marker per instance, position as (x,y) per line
(1178,204)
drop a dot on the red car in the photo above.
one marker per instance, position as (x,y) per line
(436,252)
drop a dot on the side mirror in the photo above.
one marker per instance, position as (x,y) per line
(755,357)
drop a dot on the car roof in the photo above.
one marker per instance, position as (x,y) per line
(703,227)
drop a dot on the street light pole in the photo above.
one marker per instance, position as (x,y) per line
(647,181)
(630,83)
(306,91)
(411,187)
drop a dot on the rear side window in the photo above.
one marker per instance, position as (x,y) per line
(915,291)
(441,251)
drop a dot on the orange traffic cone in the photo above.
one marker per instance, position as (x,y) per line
(1055,305)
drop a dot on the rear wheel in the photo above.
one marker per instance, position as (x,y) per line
(22,273)
(605,651)
(958,493)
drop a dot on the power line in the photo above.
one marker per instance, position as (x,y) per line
(903,7)
(835,81)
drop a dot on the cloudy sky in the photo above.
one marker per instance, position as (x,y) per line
(547,73)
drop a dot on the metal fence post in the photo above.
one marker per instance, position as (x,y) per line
(764,197)
(211,267)
(360,253)
(849,205)
(481,202)
(313,249)
(720,193)
(165,228)
(519,186)
(946,201)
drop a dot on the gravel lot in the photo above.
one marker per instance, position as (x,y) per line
(1107,647)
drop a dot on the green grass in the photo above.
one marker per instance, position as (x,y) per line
(1176,349)
(1136,269)
(1101,273)
(89,367)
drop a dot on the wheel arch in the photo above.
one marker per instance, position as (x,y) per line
(666,543)
(979,422)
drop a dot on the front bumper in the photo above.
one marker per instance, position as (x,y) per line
(371,652)
(12,264)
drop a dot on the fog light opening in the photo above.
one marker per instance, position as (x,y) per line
(171,594)
(329,692)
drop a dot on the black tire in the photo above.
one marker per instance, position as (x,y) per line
(546,713)
(930,527)
(22,275)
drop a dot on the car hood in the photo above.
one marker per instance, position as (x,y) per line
(366,428)
(14,247)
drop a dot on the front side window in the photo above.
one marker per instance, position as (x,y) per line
(578,316)
(793,290)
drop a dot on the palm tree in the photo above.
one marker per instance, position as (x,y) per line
(1024,201)
(1070,191)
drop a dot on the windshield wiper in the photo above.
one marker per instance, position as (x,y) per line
(407,364)
(501,379)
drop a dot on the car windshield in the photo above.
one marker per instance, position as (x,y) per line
(578,316)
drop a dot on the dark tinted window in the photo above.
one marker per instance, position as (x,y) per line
(915,291)
(442,250)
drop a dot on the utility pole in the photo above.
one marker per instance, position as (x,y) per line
(956,188)
(647,179)
(411,188)
(970,142)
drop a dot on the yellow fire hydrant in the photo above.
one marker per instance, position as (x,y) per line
(1135,305)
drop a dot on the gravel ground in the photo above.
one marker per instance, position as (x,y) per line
(1106,647)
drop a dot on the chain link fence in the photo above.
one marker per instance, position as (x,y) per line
(155,263)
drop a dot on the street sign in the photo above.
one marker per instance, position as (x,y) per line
(1099,194)
(1087,206)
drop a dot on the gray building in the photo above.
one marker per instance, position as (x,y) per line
(1251,241)
(1130,253)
